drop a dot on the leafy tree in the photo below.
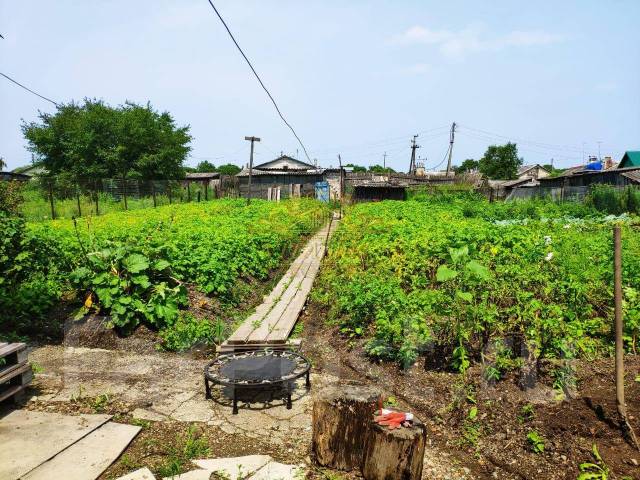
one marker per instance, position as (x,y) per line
(206,167)
(356,168)
(228,169)
(3,164)
(468,165)
(93,139)
(500,162)
(381,169)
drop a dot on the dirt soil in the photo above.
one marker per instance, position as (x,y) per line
(494,443)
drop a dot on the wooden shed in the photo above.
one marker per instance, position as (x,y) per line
(376,192)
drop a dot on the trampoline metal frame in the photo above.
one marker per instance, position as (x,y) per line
(286,381)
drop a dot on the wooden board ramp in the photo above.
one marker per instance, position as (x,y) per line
(273,320)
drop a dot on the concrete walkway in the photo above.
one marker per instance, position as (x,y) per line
(272,322)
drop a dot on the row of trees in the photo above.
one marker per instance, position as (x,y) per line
(93,139)
(206,167)
(373,168)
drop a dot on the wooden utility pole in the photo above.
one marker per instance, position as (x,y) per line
(451,138)
(384,161)
(252,140)
(341,183)
(412,164)
(617,281)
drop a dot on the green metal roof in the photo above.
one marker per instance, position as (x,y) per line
(630,159)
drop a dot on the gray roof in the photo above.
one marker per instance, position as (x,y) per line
(256,172)
(201,175)
(526,168)
(293,164)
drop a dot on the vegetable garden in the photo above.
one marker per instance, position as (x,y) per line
(136,266)
(475,280)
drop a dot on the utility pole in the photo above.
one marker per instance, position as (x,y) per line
(341,184)
(252,140)
(384,161)
(451,138)
(412,165)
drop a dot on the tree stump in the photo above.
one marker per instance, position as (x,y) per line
(340,419)
(394,454)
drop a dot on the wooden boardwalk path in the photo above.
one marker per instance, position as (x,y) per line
(274,319)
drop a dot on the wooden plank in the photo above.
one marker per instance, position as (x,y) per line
(293,344)
(259,334)
(290,316)
(258,317)
(274,319)
(9,348)
(12,370)
(88,457)
(30,438)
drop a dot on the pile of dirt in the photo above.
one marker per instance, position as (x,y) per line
(484,425)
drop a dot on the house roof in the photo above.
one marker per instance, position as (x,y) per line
(259,172)
(630,159)
(633,175)
(285,162)
(525,168)
(201,175)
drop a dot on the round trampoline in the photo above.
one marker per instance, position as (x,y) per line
(257,370)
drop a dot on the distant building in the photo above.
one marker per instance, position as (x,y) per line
(533,171)
(287,175)
(9,176)
(210,179)
(630,159)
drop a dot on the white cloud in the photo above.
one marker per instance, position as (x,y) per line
(456,44)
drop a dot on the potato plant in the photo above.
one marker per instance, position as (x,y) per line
(462,273)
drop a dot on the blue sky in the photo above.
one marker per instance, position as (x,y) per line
(353,77)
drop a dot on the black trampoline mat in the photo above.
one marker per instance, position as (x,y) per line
(256,369)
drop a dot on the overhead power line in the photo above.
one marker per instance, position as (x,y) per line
(28,89)
(550,146)
(260,81)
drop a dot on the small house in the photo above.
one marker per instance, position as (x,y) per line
(630,159)
(287,175)
(13,176)
(533,171)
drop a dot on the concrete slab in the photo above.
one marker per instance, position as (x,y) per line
(29,439)
(234,468)
(278,471)
(89,457)
(141,474)
(192,475)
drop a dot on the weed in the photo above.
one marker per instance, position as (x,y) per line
(194,444)
(527,413)
(139,422)
(594,471)
(78,395)
(128,462)
(100,403)
(536,441)
(36,367)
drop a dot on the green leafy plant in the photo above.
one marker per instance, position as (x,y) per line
(594,471)
(536,441)
(130,286)
(189,330)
